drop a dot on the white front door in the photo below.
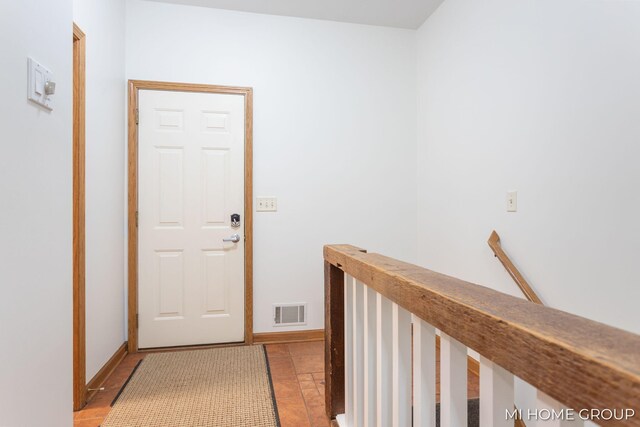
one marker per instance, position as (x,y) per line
(191,181)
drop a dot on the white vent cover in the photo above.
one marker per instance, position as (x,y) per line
(289,314)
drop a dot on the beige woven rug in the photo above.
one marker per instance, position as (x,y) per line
(213,387)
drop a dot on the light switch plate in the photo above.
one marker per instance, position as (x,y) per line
(512,201)
(37,76)
(266,204)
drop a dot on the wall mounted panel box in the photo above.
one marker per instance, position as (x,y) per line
(40,86)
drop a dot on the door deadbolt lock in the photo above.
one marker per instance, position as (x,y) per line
(235,220)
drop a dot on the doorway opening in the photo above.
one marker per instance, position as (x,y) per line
(167,119)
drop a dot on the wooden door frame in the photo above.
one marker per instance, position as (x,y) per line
(247,92)
(79,331)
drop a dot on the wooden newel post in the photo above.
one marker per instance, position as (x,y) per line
(333,339)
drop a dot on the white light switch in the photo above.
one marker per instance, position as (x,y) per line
(266,204)
(37,76)
(512,201)
(38,87)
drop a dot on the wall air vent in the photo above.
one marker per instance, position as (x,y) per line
(289,314)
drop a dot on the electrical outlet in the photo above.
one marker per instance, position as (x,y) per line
(266,204)
(512,201)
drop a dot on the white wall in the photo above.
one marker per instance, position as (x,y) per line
(542,97)
(103,23)
(35,219)
(334,131)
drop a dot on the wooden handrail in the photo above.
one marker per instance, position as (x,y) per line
(579,362)
(494,244)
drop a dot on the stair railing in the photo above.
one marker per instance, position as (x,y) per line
(496,247)
(381,320)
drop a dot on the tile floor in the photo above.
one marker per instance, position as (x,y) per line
(297,370)
(98,407)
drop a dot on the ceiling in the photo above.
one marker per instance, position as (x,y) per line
(389,13)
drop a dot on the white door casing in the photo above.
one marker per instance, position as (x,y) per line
(191,180)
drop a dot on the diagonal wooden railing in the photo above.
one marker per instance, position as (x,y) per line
(496,247)
(572,361)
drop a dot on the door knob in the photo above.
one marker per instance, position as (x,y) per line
(235,239)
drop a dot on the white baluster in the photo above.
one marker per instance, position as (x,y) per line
(453,382)
(496,395)
(525,396)
(370,350)
(358,354)
(401,378)
(424,374)
(384,344)
(348,349)
(551,413)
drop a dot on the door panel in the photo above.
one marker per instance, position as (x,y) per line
(170,204)
(191,180)
(170,279)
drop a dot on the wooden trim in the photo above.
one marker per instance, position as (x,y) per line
(247,92)
(334,363)
(248,216)
(288,336)
(78,34)
(111,365)
(579,362)
(494,244)
(190,87)
(132,227)
(79,338)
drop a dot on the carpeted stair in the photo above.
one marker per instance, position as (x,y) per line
(473,413)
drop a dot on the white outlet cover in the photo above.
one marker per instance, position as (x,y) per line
(512,201)
(37,76)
